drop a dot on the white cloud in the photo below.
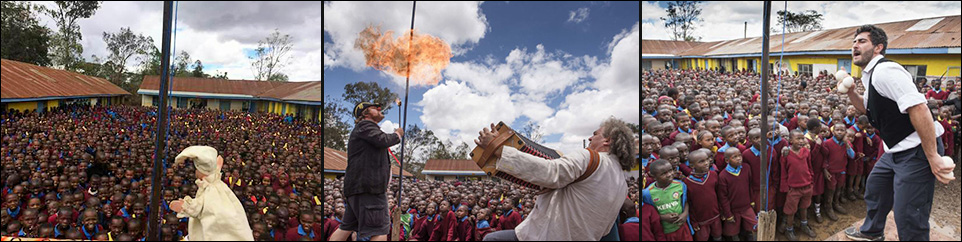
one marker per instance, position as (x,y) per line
(578,16)
(615,93)
(460,24)
(215,33)
(455,111)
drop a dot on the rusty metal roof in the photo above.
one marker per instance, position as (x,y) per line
(288,91)
(667,47)
(27,81)
(336,160)
(937,32)
(297,91)
(210,85)
(452,165)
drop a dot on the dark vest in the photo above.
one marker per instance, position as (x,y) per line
(884,114)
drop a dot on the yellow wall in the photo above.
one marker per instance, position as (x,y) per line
(935,64)
(23,106)
(53,104)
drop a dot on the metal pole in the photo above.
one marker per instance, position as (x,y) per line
(765,228)
(404,121)
(160,145)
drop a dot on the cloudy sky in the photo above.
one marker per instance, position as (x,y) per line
(564,65)
(726,20)
(219,34)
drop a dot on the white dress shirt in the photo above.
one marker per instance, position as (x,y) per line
(894,82)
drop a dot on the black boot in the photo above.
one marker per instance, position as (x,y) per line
(790,234)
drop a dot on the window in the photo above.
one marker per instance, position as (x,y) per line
(438,178)
(845,64)
(916,71)
(225,105)
(155,101)
(182,102)
(805,70)
(646,65)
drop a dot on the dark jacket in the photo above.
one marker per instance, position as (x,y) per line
(368,166)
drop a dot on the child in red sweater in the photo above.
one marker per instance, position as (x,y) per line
(797,182)
(752,158)
(702,185)
(464,228)
(733,194)
(839,151)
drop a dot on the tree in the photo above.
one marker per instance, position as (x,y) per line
(809,20)
(335,129)
(23,38)
(358,92)
(151,67)
(682,17)
(416,140)
(65,45)
(533,132)
(278,77)
(182,64)
(122,46)
(441,151)
(271,55)
(198,70)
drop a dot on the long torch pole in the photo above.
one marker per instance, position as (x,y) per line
(160,143)
(404,121)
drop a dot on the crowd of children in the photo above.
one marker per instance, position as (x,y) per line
(81,172)
(701,152)
(461,210)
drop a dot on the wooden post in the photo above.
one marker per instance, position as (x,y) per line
(766,219)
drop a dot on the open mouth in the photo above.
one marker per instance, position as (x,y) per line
(856,53)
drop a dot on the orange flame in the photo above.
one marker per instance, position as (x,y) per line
(428,54)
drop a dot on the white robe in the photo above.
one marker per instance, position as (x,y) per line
(584,211)
(216,213)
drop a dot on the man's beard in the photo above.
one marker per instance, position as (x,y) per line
(864,59)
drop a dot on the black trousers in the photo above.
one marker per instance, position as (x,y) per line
(904,182)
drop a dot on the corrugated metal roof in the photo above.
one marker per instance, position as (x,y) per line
(337,160)
(937,32)
(297,91)
(452,165)
(23,81)
(288,91)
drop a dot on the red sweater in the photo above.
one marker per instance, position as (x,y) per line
(629,231)
(872,151)
(720,155)
(444,229)
(424,227)
(464,231)
(948,138)
(509,221)
(749,158)
(837,156)
(329,227)
(480,233)
(703,197)
(733,191)
(796,170)
(652,230)
(941,95)
(293,234)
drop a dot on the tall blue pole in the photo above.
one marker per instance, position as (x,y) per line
(160,145)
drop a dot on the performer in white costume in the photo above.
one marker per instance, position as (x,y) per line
(216,213)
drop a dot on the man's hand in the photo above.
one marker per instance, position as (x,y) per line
(486,136)
(940,169)
(399,132)
(177,206)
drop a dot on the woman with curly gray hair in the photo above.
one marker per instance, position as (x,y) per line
(568,210)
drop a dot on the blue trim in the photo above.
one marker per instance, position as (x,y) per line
(17,100)
(335,171)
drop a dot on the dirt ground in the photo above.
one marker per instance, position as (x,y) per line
(946,212)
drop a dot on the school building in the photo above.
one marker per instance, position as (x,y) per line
(299,99)
(335,165)
(927,48)
(28,88)
(448,170)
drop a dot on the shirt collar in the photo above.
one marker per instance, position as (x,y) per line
(733,170)
(632,220)
(755,151)
(871,64)
(300,231)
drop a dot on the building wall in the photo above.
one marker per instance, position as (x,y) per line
(935,64)
(23,106)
